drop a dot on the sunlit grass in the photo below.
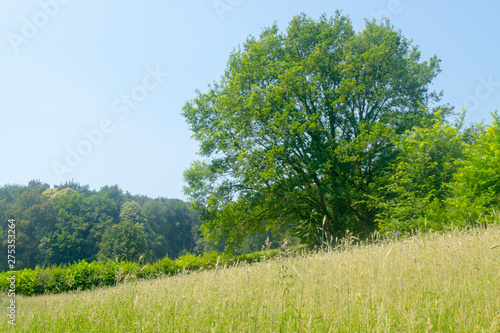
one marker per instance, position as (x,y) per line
(445,283)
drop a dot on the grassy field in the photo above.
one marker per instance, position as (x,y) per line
(430,283)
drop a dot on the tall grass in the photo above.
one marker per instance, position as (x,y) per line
(426,283)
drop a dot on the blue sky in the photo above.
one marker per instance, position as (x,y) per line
(93,90)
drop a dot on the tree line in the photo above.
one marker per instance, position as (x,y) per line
(70,222)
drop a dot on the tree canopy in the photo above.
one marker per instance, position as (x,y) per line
(70,222)
(301,128)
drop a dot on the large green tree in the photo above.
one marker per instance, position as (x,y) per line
(301,126)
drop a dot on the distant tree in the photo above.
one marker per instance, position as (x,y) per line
(9,193)
(114,193)
(22,211)
(124,241)
(175,222)
(83,189)
(69,238)
(102,212)
(38,185)
(302,125)
(131,211)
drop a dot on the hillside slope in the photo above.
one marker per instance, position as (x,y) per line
(447,282)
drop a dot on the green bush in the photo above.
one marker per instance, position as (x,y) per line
(25,281)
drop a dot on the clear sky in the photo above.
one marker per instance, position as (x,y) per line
(93,90)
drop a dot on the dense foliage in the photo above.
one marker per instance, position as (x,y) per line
(71,223)
(322,130)
(444,175)
(302,127)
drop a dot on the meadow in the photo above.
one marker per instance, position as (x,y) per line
(447,282)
